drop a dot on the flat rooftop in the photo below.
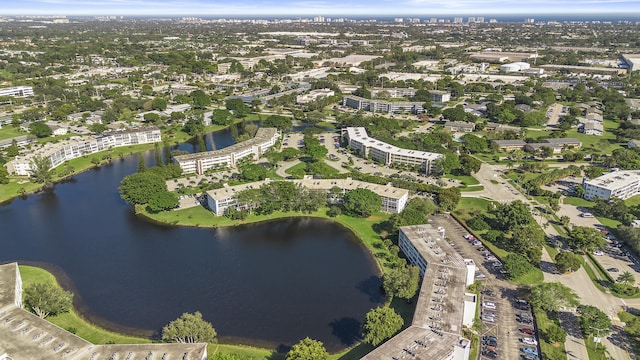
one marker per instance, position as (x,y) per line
(615,180)
(360,134)
(262,135)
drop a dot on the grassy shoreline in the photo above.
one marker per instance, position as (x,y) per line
(200,217)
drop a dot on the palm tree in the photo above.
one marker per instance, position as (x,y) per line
(627,278)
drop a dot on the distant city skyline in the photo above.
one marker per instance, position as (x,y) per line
(327,8)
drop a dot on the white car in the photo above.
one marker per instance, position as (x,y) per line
(529,341)
(598,253)
(489,305)
(488,319)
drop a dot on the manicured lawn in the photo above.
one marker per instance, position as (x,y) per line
(632,329)
(610,223)
(12,189)
(576,201)
(596,351)
(472,188)
(8,132)
(534,277)
(466,180)
(296,167)
(468,205)
(633,201)
(549,351)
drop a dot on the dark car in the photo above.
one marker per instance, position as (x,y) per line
(490,353)
(527,331)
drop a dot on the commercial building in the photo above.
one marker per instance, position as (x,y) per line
(632,61)
(24,335)
(228,157)
(515,67)
(373,105)
(388,154)
(443,309)
(17,91)
(393,199)
(75,147)
(620,184)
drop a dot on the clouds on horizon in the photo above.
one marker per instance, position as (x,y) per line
(314,7)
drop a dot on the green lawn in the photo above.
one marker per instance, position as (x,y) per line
(576,201)
(472,188)
(8,132)
(465,180)
(549,351)
(533,277)
(633,201)
(469,205)
(596,351)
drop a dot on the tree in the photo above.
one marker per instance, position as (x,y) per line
(142,164)
(278,121)
(199,99)
(380,324)
(626,278)
(307,349)
(139,188)
(98,128)
(567,261)
(593,320)
(159,104)
(189,328)
(469,165)
(239,108)
(40,170)
(253,172)
(46,299)
(401,282)
(4,175)
(40,129)
(516,266)
(164,200)
(551,296)
(362,202)
(585,238)
(448,199)
(222,117)
(555,334)
(415,212)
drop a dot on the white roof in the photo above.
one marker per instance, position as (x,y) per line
(615,180)
(360,134)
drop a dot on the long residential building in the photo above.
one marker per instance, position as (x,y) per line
(17,91)
(389,154)
(619,184)
(393,199)
(73,148)
(24,335)
(443,307)
(229,157)
(389,107)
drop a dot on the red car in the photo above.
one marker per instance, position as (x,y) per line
(527,331)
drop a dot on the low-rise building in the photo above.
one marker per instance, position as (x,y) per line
(459,126)
(440,96)
(24,335)
(591,128)
(393,199)
(557,144)
(620,184)
(373,105)
(21,141)
(314,95)
(443,307)
(75,147)
(17,91)
(228,157)
(388,154)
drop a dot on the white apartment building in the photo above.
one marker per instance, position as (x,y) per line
(228,157)
(393,199)
(396,107)
(76,147)
(17,91)
(388,154)
(443,307)
(314,95)
(620,184)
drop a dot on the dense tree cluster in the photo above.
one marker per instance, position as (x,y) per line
(46,299)
(189,328)
(381,324)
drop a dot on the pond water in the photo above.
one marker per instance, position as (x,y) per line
(269,284)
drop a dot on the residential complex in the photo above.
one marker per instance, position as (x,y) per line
(75,147)
(24,335)
(443,307)
(373,105)
(389,154)
(229,157)
(557,144)
(393,199)
(620,184)
(17,91)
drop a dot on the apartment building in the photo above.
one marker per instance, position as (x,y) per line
(389,107)
(76,147)
(314,95)
(388,154)
(443,307)
(229,157)
(393,199)
(620,184)
(17,91)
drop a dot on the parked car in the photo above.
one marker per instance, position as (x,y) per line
(529,357)
(529,351)
(489,337)
(489,305)
(490,353)
(529,341)
(598,253)
(613,269)
(496,264)
(527,331)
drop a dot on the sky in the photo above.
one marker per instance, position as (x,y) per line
(264,8)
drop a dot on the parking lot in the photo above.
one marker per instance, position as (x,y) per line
(502,317)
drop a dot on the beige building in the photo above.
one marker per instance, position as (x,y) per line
(389,154)
(393,199)
(443,309)
(24,335)
(229,157)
